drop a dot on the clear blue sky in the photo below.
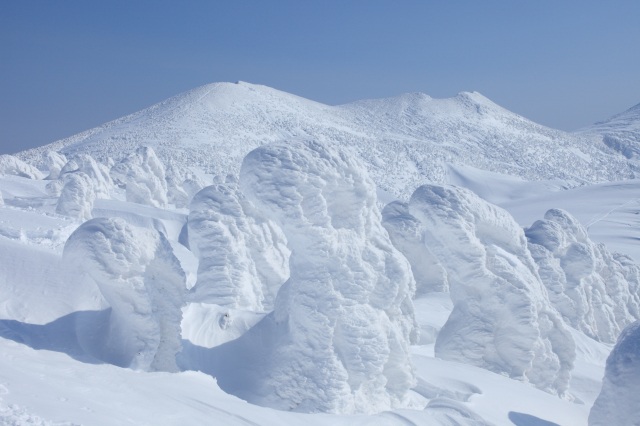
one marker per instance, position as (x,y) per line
(66,66)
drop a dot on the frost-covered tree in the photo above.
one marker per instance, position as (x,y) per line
(338,338)
(76,197)
(143,176)
(502,319)
(54,162)
(596,292)
(619,399)
(143,283)
(10,165)
(243,259)
(97,172)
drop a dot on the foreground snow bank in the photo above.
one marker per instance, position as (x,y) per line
(619,400)
(144,284)
(502,319)
(596,292)
(338,338)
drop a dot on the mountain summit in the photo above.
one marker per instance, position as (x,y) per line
(412,137)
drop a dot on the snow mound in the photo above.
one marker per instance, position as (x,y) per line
(619,399)
(10,165)
(144,284)
(243,260)
(76,197)
(97,172)
(501,319)
(342,324)
(143,176)
(406,235)
(596,292)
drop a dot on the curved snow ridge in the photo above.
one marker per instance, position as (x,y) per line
(619,399)
(243,260)
(144,284)
(501,319)
(596,291)
(344,320)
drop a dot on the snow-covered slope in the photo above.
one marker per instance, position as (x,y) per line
(620,132)
(404,141)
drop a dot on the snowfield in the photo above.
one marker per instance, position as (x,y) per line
(237,255)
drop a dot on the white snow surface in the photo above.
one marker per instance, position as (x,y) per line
(60,315)
(142,175)
(619,399)
(502,319)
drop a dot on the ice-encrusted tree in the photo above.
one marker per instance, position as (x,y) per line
(54,162)
(619,400)
(243,259)
(406,235)
(97,172)
(143,283)
(338,338)
(76,197)
(502,319)
(143,175)
(10,165)
(596,291)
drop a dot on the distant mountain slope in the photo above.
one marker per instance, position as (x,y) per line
(620,132)
(405,141)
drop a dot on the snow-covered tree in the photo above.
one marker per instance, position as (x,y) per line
(143,176)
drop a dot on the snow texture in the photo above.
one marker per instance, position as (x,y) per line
(98,173)
(10,165)
(619,399)
(243,260)
(344,319)
(501,319)
(182,185)
(406,235)
(76,197)
(143,176)
(144,285)
(596,292)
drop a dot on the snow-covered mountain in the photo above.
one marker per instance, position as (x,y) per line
(620,132)
(404,141)
(395,261)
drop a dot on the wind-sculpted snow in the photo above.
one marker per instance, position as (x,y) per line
(144,284)
(182,184)
(596,292)
(98,173)
(77,196)
(406,234)
(502,319)
(216,125)
(343,321)
(143,176)
(619,399)
(243,260)
(10,165)
(620,132)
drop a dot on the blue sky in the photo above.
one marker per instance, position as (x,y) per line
(66,66)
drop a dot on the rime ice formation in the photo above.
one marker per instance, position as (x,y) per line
(182,185)
(144,284)
(619,399)
(502,319)
(243,259)
(54,162)
(344,319)
(406,235)
(97,172)
(143,176)
(76,197)
(596,292)
(10,165)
